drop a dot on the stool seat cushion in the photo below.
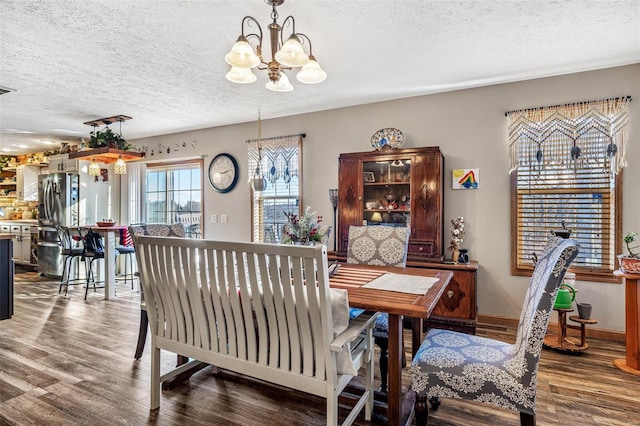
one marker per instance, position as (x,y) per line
(125,249)
(72,252)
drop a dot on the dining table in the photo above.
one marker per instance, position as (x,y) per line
(400,295)
(404,292)
(110,234)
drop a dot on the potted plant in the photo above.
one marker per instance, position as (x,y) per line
(630,263)
(303,230)
(106,137)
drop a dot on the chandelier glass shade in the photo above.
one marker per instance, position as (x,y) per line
(285,55)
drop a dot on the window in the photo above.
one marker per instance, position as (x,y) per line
(174,194)
(276,160)
(566,164)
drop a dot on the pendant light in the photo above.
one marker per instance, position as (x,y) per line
(94,168)
(120,167)
(259,183)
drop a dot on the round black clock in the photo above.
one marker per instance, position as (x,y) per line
(223,172)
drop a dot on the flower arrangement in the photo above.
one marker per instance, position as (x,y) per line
(457,232)
(629,238)
(302,230)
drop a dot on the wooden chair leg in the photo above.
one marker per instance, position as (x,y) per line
(383,343)
(421,410)
(142,333)
(435,402)
(527,419)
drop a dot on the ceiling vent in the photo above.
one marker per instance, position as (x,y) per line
(4,90)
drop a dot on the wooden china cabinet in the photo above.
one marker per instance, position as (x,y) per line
(405,187)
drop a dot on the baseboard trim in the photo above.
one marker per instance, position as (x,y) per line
(598,333)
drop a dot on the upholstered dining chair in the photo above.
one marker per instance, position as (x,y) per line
(456,365)
(157,230)
(384,246)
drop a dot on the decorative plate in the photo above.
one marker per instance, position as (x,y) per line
(389,137)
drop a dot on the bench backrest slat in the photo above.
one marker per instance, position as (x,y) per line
(262,303)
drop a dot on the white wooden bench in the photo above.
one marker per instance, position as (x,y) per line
(201,302)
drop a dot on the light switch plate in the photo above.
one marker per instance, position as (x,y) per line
(224,218)
(214,218)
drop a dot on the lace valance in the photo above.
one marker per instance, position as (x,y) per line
(570,135)
(279,157)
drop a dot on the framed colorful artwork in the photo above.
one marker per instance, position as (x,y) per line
(466,179)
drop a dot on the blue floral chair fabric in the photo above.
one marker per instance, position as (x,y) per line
(384,246)
(456,365)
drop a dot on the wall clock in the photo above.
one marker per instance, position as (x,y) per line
(223,172)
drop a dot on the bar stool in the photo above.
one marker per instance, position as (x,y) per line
(127,249)
(71,248)
(93,250)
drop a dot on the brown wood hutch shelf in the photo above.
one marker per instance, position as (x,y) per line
(405,187)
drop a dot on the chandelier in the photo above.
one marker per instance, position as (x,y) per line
(284,55)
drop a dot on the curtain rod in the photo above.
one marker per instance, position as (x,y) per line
(303,135)
(628,98)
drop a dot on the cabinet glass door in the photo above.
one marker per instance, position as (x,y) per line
(387,192)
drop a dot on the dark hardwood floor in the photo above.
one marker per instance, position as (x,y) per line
(66,361)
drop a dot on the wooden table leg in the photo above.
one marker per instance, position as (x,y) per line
(561,327)
(632,307)
(395,370)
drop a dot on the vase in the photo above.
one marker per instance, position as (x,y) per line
(629,265)
(455,254)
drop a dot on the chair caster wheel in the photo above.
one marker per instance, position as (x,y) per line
(435,403)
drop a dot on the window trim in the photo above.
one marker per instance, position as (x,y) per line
(177,165)
(582,273)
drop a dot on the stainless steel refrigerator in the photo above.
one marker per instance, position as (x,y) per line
(58,204)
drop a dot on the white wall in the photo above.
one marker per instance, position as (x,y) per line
(98,200)
(470,128)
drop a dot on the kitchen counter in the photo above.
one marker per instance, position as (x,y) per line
(19,222)
(6,236)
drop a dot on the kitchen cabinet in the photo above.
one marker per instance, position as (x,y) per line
(27,182)
(24,241)
(396,187)
(457,308)
(62,163)
(8,185)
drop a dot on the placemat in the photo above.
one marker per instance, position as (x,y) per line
(413,284)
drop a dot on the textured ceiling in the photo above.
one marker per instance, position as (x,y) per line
(162,61)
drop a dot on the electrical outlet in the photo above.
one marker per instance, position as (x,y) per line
(224,218)
(214,218)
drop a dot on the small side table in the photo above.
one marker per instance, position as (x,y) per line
(582,327)
(561,342)
(632,307)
